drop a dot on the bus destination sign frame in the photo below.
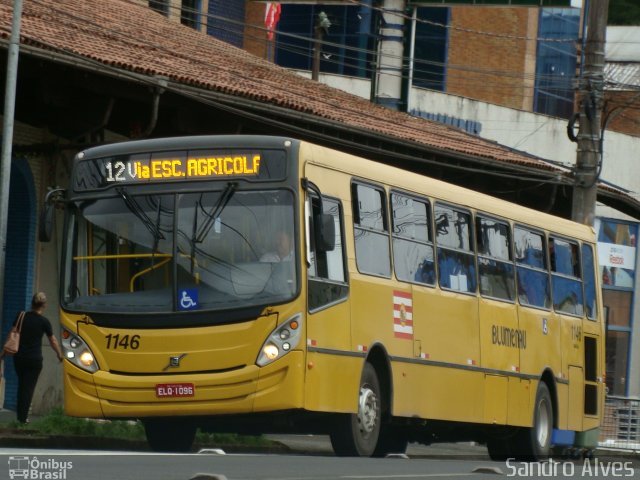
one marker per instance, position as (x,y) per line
(162,167)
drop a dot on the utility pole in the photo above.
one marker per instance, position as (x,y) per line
(388,85)
(590,100)
(7,136)
(321,28)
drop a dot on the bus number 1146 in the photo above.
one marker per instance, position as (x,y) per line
(123,341)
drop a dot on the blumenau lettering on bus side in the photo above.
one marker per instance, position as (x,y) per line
(508,337)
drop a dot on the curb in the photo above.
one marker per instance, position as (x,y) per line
(10,438)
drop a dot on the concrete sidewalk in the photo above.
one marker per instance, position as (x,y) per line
(7,416)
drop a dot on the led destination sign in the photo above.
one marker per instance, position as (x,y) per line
(95,174)
(177,168)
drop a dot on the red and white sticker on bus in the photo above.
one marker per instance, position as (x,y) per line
(172,390)
(402,315)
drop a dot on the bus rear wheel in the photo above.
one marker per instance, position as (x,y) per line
(169,434)
(535,442)
(356,435)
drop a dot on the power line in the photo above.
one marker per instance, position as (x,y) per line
(438,75)
(462,29)
(372,53)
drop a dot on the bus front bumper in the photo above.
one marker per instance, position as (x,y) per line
(278,386)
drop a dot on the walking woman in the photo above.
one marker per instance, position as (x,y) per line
(28,360)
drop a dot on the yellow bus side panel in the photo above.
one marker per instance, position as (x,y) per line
(590,422)
(572,339)
(332,383)
(544,334)
(495,399)
(372,314)
(446,325)
(563,405)
(575,410)
(519,412)
(500,338)
(437,392)
(330,328)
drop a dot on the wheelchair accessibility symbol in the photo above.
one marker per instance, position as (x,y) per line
(188,299)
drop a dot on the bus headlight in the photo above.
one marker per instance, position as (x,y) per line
(78,352)
(281,341)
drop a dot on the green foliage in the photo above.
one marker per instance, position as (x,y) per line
(624,12)
(221,439)
(57,423)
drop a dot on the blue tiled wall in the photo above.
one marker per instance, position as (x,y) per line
(19,261)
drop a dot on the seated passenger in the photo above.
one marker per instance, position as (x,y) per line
(283,250)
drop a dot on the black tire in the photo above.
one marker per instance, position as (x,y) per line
(356,435)
(535,443)
(169,434)
(390,441)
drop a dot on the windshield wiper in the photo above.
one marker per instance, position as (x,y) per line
(137,210)
(225,196)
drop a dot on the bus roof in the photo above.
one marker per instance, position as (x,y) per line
(419,184)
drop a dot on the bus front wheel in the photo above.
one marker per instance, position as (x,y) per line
(169,434)
(357,434)
(535,442)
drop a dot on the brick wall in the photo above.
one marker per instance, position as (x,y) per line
(255,35)
(492,68)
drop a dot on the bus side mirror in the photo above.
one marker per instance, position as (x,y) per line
(325,233)
(47,219)
(48,214)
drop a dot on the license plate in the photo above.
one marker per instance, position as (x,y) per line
(173,390)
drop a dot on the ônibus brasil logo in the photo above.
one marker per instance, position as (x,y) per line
(33,468)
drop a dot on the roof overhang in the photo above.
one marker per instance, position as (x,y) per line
(395,138)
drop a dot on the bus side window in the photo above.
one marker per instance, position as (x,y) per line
(370,230)
(531,270)
(412,240)
(589,277)
(327,277)
(495,264)
(456,260)
(565,276)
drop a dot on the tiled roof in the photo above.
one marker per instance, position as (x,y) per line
(134,38)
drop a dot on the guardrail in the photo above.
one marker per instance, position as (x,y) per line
(621,424)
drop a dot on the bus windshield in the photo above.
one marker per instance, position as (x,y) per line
(146,253)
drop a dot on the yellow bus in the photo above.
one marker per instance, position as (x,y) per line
(265,284)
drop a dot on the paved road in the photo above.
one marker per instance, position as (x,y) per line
(321,445)
(72,465)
